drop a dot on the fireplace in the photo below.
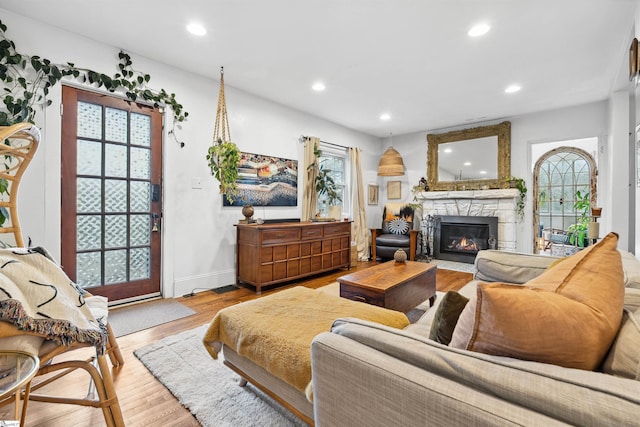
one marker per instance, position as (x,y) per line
(459,238)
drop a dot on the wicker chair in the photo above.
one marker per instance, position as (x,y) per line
(19,144)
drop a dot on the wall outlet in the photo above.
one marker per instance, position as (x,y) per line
(196,182)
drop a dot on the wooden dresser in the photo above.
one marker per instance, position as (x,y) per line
(274,253)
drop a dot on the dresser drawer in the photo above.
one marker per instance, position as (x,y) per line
(338,228)
(279,235)
(311,232)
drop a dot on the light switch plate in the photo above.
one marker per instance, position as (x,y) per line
(196,182)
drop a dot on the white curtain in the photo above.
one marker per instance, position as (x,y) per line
(309,195)
(360,232)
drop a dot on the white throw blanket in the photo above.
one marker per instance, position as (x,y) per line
(37,297)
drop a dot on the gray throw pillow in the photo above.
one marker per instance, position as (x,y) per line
(446,317)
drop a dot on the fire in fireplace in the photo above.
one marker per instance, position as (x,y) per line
(459,238)
(466,243)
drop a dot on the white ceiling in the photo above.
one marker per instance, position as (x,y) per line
(409,58)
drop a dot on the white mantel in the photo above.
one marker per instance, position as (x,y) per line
(500,203)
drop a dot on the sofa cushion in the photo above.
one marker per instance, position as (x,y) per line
(631,268)
(623,358)
(568,316)
(396,240)
(446,317)
(510,267)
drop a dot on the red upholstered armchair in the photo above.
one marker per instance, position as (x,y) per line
(400,227)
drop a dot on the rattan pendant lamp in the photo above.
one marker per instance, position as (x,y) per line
(391,163)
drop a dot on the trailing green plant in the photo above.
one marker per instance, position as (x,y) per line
(521,185)
(26,82)
(223,158)
(324,182)
(542,199)
(417,189)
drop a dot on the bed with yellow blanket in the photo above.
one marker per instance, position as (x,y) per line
(275,332)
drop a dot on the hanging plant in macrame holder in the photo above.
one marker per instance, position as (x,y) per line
(224,155)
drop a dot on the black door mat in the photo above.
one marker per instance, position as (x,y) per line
(224,289)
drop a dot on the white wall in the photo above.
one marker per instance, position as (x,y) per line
(568,123)
(198,233)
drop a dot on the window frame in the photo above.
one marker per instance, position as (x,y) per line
(592,186)
(331,151)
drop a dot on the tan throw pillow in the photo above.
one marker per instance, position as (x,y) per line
(446,317)
(623,358)
(567,316)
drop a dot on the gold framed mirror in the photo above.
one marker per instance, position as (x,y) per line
(469,159)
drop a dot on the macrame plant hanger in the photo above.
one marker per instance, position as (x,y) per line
(221,131)
(224,156)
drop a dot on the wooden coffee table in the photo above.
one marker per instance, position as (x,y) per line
(393,285)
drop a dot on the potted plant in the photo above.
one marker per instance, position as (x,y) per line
(324,184)
(578,232)
(521,185)
(223,158)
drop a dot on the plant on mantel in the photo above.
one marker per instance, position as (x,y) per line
(521,185)
(27,80)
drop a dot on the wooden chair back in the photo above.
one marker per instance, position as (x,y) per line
(18,145)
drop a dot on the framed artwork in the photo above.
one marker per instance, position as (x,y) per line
(373,191)
(393,189)
(265,181)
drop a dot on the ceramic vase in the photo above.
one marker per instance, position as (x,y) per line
(247,211)
(400,255)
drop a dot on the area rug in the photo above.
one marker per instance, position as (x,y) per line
(452,265)
(207,388)
(134,318)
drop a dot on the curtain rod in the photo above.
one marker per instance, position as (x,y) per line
(302,138)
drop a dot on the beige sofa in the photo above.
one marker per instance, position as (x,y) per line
(365,374)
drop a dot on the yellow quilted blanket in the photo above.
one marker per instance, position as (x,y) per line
(275,332)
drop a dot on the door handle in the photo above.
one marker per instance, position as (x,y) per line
(156,223)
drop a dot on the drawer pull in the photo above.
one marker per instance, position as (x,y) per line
(359,298)
(311,233)
(280,236)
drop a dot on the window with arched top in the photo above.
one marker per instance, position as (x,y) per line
(558,176)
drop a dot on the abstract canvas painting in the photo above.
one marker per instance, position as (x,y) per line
(266,181)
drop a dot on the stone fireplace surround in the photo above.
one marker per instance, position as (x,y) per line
(500,203)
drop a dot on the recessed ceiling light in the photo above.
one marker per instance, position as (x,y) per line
(318,86)
(448,150)
(196,29)
(483,172)
(512,89)
(385,116)
(467,163)
(479,30)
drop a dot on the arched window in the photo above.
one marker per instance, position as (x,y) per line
(558,175)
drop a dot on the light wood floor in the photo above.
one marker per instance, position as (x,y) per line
(146,402)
